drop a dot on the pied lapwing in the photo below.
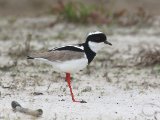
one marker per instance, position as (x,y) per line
(73,58)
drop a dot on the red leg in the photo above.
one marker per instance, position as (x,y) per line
(68,79)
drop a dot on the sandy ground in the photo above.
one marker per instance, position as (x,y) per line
(114,88)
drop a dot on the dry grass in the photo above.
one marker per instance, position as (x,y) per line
(149,57)
(22,49)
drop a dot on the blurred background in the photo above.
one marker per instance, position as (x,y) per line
(121,12)
(130,68)
(36,7)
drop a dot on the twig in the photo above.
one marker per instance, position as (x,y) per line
(18,108)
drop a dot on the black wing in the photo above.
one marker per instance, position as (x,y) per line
(75,48)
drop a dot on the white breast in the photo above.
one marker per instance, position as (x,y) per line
(71,66)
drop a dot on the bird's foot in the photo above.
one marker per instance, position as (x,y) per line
(82,101)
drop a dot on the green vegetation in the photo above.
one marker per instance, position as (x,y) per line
(78,12)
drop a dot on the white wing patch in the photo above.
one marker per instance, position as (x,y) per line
(80,47)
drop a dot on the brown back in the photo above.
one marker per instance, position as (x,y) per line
(58,55)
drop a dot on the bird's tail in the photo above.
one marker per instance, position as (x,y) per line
(35,55)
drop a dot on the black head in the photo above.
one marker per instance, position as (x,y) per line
(97,37)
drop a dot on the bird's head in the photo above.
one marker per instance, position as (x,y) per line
(96,41)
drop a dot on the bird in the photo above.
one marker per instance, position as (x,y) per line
(71,59)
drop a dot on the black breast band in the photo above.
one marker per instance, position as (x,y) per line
(89,53)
